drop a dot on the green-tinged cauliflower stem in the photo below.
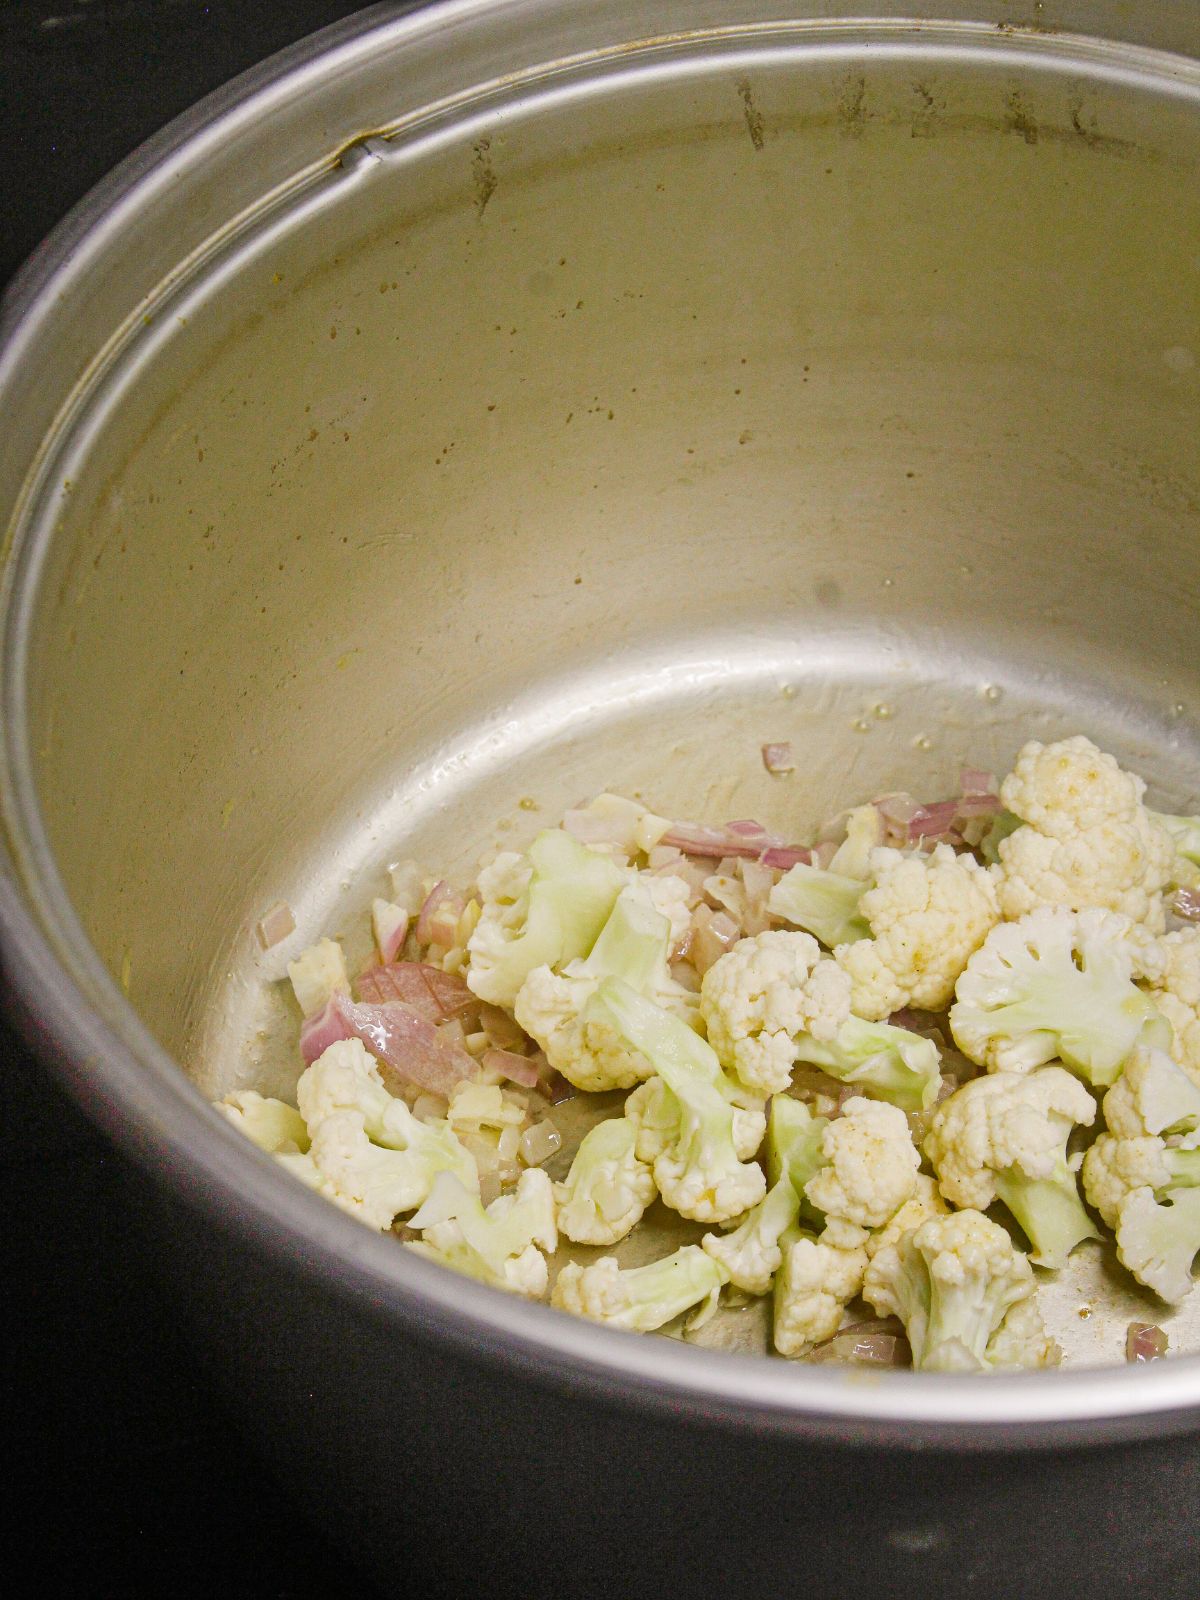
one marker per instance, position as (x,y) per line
(698,1173)
(751,1253)
(894,1063)
(570,894)
(824,904)
(640,1299)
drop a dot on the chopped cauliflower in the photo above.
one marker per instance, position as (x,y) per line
(1176,992)
(501,1245)
(367,1144)
(1058,983)
(698,1171)
(1004,1137)
(317,974)
(752,1252)
(928,915)
(764,992)
(818,1279)
(540,910)
(926,1202)
(640,1298)
(1153,1095)
(271,1124)
(1148,1192)
(894,1063)
(1087,841)
(580,1041)
(954,1282)
(607,1188)
(870,1164)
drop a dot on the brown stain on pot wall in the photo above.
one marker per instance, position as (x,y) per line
(754,120)
(483,175)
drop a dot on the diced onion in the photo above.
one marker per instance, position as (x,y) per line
(1186,905)
(778,758)
(275,925)
(430,1107)
(1144,1341)
(539,1142)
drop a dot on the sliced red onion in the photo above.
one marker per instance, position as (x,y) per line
(1186,905)
(437,995)
(696,840)
(898,809)
(389,923)
(978,805)
(778,758)
(974,781)
(783,857)
(397,1035)
(1145,1342)
(517,1069)
(275,925)
(322,1029)
(502,1030)
(442,908)
(932,822)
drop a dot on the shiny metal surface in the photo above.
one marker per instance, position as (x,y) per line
(516,399)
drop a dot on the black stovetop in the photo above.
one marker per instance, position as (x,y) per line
(131,1478)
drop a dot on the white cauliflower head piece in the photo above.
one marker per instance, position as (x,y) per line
(818,1279)
(928,915)
(640,1298)
(607,1188)
(1005,1136)
(954,1282)
(1176,992)
(1058,983)
(871,1164)
(1087,841)
(764,992)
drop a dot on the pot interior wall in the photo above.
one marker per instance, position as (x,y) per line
(592,436)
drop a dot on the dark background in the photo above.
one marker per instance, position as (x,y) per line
(127,1477)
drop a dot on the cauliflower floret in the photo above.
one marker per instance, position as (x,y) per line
(1149,1194)
(818,1279)
(1176,992)
(607,1188)
(542,910)
(1153,1095)
(499,1245)
(954,1282)
(926,1202)
(640,1298)
(654,1112)
(928,915)
(366,1144)
(764,992)
(272,1125)
(382,1182)
(578,1038)
(1058,983)
(752,1252)
(1087,841)
(697,1168)
(871,1164)
(1005,1136)
(896,1064)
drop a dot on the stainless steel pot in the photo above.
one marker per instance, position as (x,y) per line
(493,401)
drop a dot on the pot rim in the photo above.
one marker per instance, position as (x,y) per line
(78,1020)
